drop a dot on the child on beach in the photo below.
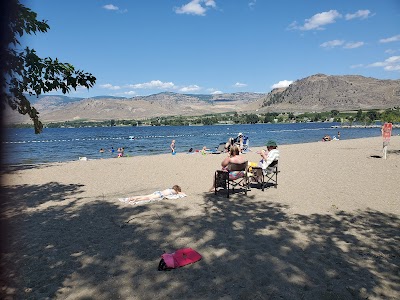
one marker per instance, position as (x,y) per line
(172,146)
(172,193)
(205,150)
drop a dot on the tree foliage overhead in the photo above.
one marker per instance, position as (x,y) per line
(24,72)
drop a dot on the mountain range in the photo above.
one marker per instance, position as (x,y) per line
(318,92)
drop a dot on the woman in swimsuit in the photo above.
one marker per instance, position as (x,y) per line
(233,157)
(175,190)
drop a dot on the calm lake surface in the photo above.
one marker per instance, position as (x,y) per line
(22,146)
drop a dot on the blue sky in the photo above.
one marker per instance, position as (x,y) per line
(137,48)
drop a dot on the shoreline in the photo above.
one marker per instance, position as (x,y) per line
(363,126)
(330,228)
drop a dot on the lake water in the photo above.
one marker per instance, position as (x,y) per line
(22,146)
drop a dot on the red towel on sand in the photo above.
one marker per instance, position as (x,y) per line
(179,258)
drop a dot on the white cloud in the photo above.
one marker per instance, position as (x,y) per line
(317,21)
(390,64)
(282,84)
(360,14)
(390,51)
(130,93)
(115,8)
(353,45)
(238,84)
(337,43)
(211,3)
(195,7)
(395,38)
(332,44)
(79,89)
(216,93)
(110,7)
(252,3)
(154,84)
(392,68)
(356,66)
(110,86)
(190,88)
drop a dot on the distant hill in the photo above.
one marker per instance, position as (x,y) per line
(53,99)
(61,108)
(314,93)
(322,93)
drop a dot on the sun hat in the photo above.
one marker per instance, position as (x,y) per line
(271,143)
(240,134)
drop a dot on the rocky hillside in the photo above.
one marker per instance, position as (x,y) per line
(315,93)
(322,92)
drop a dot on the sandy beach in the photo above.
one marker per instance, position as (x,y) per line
(330,230)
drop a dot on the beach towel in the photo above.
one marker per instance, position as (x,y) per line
(169,197)
(177,259)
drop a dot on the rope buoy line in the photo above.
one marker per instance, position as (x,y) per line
(153,136)
(110,138)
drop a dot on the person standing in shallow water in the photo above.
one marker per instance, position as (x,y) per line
(172,146)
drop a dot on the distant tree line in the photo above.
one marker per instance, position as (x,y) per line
(359,117)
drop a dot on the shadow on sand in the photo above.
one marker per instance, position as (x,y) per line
(93,249)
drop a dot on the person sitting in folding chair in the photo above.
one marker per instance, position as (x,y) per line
(235,158)
(268,157)
(267,165)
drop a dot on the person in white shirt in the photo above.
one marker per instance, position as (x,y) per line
(268,157)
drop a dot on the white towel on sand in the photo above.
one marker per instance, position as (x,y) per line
(170,197)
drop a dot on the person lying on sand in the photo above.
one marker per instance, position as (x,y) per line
(174,192)
(326,138)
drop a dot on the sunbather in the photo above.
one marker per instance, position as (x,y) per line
(157,195)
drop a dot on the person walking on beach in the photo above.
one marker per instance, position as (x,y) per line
(157,195)
(172,146)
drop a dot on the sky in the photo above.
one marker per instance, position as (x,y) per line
(143,47)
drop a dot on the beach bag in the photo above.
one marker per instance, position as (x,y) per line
(177,259)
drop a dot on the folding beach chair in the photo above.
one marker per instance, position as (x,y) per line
(236,175)
(219,149)
(266,178)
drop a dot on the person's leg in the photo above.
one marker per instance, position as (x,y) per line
(227,146)
(212,189)
(139,198)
